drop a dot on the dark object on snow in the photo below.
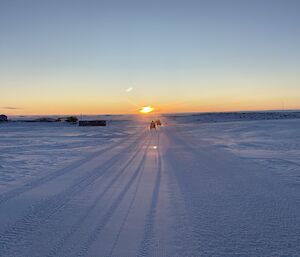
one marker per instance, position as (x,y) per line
(158,123)
(72,119)
(85,123)
(152,125)
(3,118)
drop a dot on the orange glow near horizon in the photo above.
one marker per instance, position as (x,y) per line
(93,107)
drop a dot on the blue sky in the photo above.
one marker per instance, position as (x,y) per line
(80,56)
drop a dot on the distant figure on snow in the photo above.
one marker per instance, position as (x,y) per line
(152,125)
(158,123)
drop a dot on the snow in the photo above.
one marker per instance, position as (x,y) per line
(208,186)
(31,149)
(272,143)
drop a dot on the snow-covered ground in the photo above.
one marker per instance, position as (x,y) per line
(196,187)
(272,143)
(30,149)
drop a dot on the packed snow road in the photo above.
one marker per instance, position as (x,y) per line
(153,194)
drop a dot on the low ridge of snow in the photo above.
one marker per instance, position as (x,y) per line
(234,116)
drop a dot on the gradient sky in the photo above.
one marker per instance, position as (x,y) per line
(80,56)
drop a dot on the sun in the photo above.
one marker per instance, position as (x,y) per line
(146,109)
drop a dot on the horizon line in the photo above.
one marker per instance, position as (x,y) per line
(162,113)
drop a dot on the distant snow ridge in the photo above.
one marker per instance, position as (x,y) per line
(236,116)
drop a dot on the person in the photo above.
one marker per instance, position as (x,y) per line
(152,125)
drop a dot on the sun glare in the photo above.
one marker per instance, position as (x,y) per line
(146,109)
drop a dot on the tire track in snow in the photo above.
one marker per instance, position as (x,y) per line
(53,175)
(127,213)
(77,225)
(99,227)
(147,243)
(43,210)
(126,217)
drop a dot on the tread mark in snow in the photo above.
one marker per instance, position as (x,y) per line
(127,214)
(76,226)
(53,175)
(43,210)
(99,227)
(148,240)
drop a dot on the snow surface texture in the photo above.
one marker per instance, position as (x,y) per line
(32,149)
(189,189)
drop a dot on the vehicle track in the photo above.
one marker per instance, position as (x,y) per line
(148,241)
(53,175)
(127,213)
(107,216)
(54,251)
(40,212)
